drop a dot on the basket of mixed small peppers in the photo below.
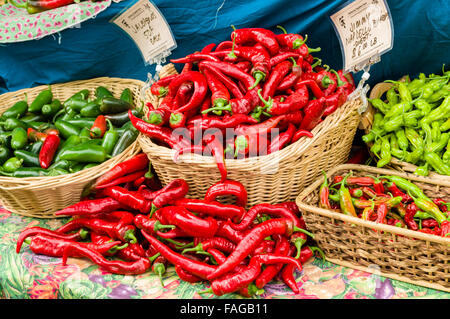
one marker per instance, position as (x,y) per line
(364,216)
(56,139)
(130,225)
(409,129)
(264,108)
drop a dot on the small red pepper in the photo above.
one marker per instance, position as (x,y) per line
(200,89)
(99,127)
(195,57)
(445,228)
(48,150)
(227,231)
(230,70)
(313,86)
(34,135)
(260,35)
(313,114)
(186,276)
(324,193)
(216,147)
(276,76)
(90,207)
(176,189)
(232,87)
(381,213)
(114,266)
(220,94)
(300,133)
(290,40)
(226,188)
(334,101)
(159,88)
(211,208)
(280,141)
(220,243)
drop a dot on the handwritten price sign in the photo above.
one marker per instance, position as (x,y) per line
(365,31)
(145,24)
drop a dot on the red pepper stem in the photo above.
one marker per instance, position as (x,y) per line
(303,231)
(218,108)
(177,244)
(114,249)
(320,251)
(314,50)
(298,243)
(268,103)
(282,29)
(298,43)
(129,235)
(338,78)
(152,258)
(197,249)
(205,291)
(259,76)
(318,62)
(231,55)
(159,269)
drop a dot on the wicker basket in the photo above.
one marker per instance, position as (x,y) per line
(273,178)
(42,196)
(393,252)
(366,125)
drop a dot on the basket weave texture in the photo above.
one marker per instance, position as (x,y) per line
(393,252)
(272,178)
(366,125)
(41,196)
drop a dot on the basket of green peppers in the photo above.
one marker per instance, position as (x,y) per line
(55,140)
(407,124)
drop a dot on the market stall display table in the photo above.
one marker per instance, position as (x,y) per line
(30,276)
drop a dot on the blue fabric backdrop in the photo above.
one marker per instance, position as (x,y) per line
(99,48)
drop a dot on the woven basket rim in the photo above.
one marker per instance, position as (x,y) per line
(50,181)
(298,148)
(358,221)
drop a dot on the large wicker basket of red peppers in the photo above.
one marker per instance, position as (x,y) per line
(270,114)
(385,221)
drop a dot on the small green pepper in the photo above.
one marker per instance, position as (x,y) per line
(422,170)
(91,110)
(439,145)
(85,153)
(29,159)
(85,134)
(441,112)
(445,126)
(19,138)
(127,96)
(5,139)
(76,104)
(44,97)
(12,164)
(102,92)
(5,154)
(71,141)
(52,108)
(11,123)
(82,122)
(66,129)
(376,128)
(30,117)
(80,95)
(385,152)
(127,138)
(110,138)
(392,96)
(379,105)
(17,110)
(23,172)
(63,164)
(437,163)
(112,105)
(68,114)
(403,142)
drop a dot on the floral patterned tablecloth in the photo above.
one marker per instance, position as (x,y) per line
(30,276)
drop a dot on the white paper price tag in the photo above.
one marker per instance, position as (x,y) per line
(365,31)
(148,28)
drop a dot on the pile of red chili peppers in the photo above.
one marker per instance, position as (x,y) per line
(130,224)
(255,83)
(391,200)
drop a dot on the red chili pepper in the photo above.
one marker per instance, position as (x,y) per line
(100,239)
(235,281)
(442,204)
(112,229)
(200,89)
(313,114)
(292,78)
(159,116)
(395,191)
(300,133)
(183,95)
(129,199)
(229,84)
(222,122)
(91,207)
(176,189)
(435,231)
(244,66)
(280,141)
(230,70)
(281,226)
(268,209)
(33,231)
(195,57)
(114,266)
(260,35)
(211,208)
(227,231)
(324,192)
(381,213)
(290,40)
(185,275)
(220,94)
(276,76)
(334,101)
(226,188)
(34,135)
(342,81)
(177,120)
(188,222)
(151,226)
(208,48)
(195,267)
(216,147)
(445,228)
(159,88)
(54,247)
(293,102)
(287,273)
(132,252)
(136,163)
(313,86)
(48,150)
(281,249)
(163,134)
(220,243)
(99,127)
(224,45)
(429,223)
(124,179)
